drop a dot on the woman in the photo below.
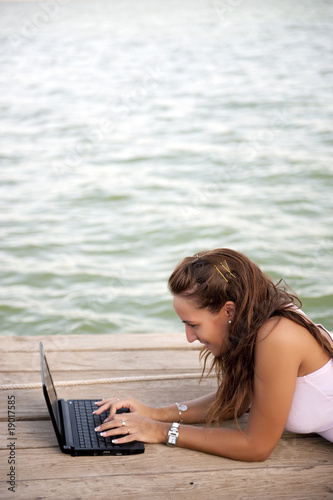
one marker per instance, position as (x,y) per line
(267,356)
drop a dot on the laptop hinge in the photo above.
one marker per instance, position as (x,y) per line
(67,429)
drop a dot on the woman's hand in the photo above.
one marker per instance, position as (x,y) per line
(114,404)
(134,427)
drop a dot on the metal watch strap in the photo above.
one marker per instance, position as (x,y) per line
(181,407)
(173,434)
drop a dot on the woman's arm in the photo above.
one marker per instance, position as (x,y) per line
(196,412)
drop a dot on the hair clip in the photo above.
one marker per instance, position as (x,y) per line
(221,273)
(226,267)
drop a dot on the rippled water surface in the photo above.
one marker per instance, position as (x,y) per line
(136,132)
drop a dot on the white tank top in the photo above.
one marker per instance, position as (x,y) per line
(312,406)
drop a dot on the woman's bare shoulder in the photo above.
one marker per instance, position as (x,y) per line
(278,349)
(281,338)
(280,329)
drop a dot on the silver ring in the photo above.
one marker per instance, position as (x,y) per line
(123,423)
(128,430)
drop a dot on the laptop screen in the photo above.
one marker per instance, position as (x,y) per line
(50,393)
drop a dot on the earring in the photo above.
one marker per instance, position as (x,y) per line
(229,321)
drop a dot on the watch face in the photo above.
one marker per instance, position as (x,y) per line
(182,407)
(173,439)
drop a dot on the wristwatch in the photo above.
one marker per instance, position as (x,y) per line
(173,434)
(181,407)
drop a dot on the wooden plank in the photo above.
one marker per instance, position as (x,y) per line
(104,360)
(275,484)
(290,454)
(255,484)
(250,481)
(61,343)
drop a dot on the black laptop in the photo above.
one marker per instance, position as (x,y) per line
(74,422)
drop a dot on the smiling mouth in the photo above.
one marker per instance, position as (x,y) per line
(204,344)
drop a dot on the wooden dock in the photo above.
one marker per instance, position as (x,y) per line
(299,468)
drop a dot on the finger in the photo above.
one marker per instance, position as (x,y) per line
(118,406)
(104,405)
(113,428)
(119,424)
(124,434)
(108,400)
(124,439)
(102,401)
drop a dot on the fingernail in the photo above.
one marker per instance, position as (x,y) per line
(94,412)
(97,428)
(102,434)
(106,420)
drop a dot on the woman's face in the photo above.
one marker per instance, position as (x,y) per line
(201,324)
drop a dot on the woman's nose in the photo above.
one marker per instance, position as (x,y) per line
(190,334)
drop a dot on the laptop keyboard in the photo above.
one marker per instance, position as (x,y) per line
(86,423)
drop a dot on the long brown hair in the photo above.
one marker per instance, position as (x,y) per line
(211,278)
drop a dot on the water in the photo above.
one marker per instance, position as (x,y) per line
(137,132)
